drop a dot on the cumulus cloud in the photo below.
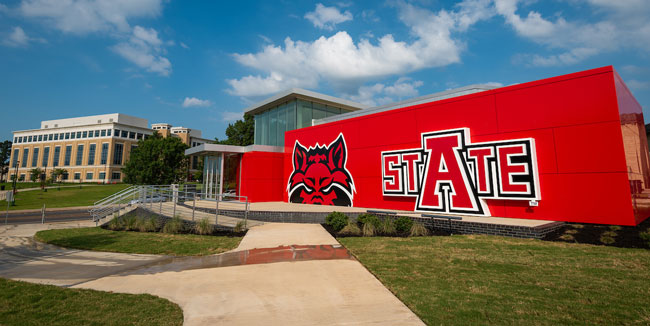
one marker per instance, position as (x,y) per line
(327,17)
(88,16)
(228,116)
(379,93)
(18,38)
(193,101)
(144,50)
(346,64)
(138,45)
(624,24)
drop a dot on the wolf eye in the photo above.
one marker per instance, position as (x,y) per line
(310,182)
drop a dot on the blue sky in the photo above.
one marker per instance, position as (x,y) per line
(200,63)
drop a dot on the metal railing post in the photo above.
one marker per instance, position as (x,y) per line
(193,205)
(161,201)
(216,212)
(43,215)
(246,215)
(174,213)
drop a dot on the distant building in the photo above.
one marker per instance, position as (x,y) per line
(91,149)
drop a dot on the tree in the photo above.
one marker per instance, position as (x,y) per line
(5,154)
(34,174)
(240,133)
(157,160)
(56,173)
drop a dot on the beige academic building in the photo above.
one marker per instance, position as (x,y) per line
(91,149)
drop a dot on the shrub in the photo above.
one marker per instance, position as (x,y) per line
(337,220)
(115,224)
(148,224)
(130,223)
(203,227)
(388,227)
(419,230)
(368,229)
(607,239)
(366,218)
(350,229)
(645,236)
(240,227)
(403,224)
(567,237)
(174,226)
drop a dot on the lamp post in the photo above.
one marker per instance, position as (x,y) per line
(14,185)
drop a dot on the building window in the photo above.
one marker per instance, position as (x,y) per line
(72,135)
(77,175)
(108,132)
(85,134)
(131,135)
(68,155)
(56,136)
(104,158)
(80,154)
(78,134)
(117,154)
(96,133)
(35,157)
(102,175)
(117,133)
(115,176)
(91,154)
(89,175)
(195,162)
(125,134)
(22,177)
(57,153)
(25,157)
(65,176)
(104,133)
(46,156)
(40,138)
(14,162)
(140,136)
(67,135)
(30,139)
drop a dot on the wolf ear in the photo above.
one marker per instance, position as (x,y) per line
(299,157)
(337,153)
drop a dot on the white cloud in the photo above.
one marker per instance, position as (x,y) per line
(87,16)
(144,49)
(184,46)
(18,38)
(229,116)
(620,24)
(379,94)
(347,65)
(327,17)
(637,84)
(193,101)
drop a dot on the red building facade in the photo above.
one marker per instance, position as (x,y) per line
(569,148)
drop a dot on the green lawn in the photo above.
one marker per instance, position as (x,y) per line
(139,242)
(65,197)
(489,280)
(23,303)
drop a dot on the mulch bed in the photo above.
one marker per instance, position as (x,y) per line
(403,235)
(598,234)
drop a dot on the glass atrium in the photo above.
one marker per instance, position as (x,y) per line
(271,124)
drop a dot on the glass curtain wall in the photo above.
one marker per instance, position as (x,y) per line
(211,175)
(271,124)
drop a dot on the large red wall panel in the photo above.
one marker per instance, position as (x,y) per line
(591,151)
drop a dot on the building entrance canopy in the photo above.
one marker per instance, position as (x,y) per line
(222,167)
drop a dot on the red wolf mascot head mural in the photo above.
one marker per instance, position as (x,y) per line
(320,176)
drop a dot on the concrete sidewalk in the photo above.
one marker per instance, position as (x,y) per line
(316,292)
(22,258)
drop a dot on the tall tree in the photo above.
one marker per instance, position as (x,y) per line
(240,133)
(157,160)
(34,174)
(5,154)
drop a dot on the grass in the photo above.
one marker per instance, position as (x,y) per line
(481,280)
(65,197)
(100,239)
(23,303)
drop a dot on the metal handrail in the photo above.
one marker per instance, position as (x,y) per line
(113,195)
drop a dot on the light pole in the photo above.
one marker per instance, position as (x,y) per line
(15,179)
